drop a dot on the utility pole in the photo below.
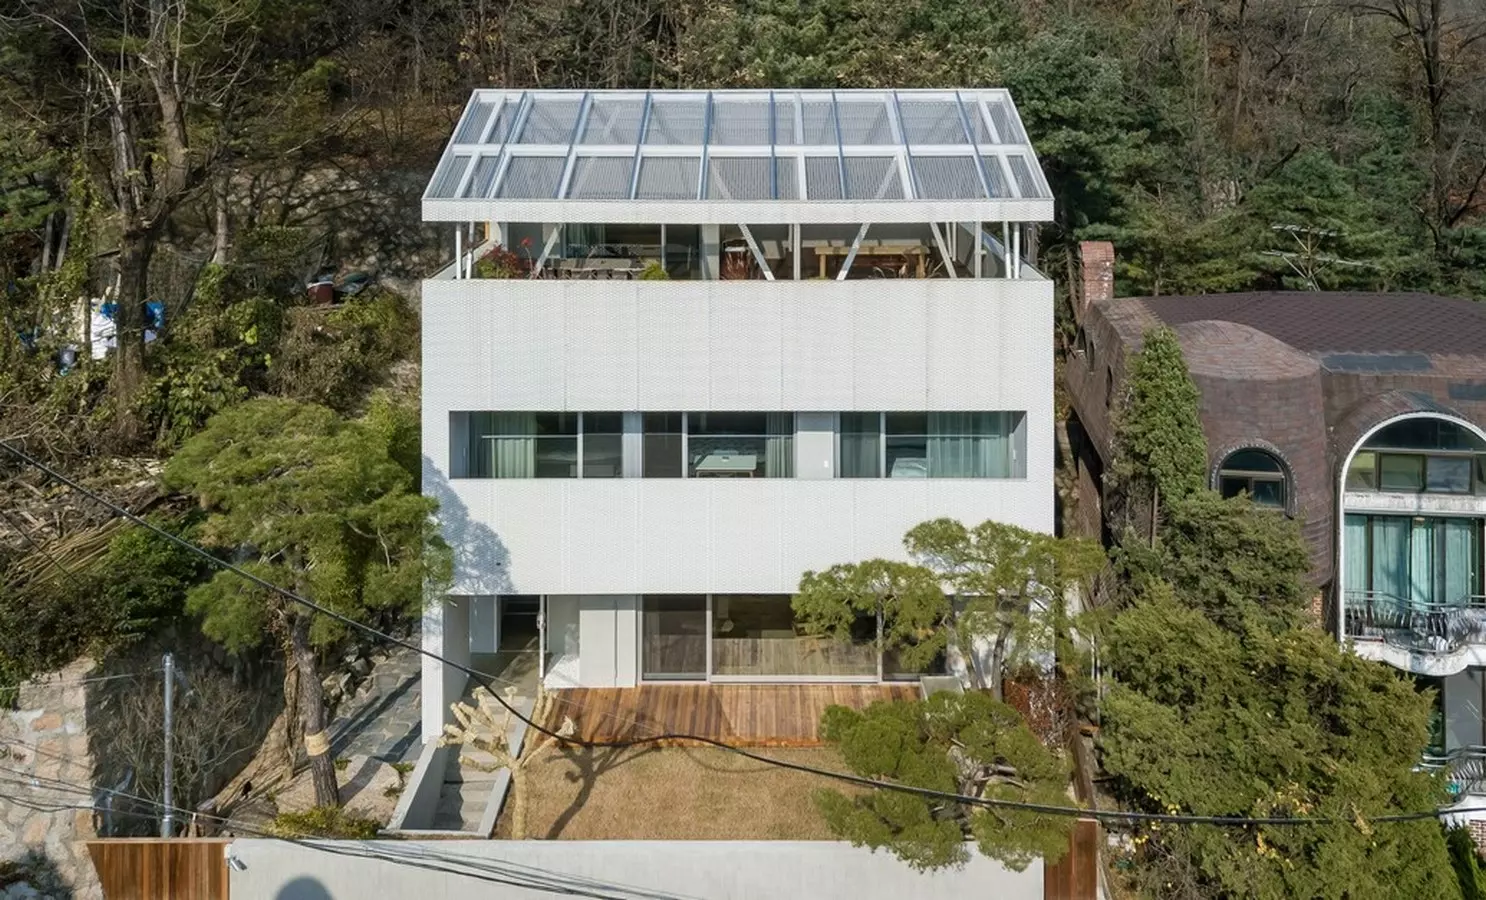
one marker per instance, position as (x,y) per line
(167,820)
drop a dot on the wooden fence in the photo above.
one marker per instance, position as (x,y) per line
(156,869)
(1076,877)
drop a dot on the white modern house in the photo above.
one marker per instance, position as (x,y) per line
(737,335)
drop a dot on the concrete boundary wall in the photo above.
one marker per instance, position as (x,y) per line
(656,870)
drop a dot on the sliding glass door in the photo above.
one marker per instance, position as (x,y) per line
(1407,560)
(673,643)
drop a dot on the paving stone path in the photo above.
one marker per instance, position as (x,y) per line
(384,719)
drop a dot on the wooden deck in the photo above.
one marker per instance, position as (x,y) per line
(751,715)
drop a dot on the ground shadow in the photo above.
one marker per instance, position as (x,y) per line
(37,871)
(304,888)
(592,763)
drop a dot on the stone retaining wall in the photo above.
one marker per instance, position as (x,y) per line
(46,738)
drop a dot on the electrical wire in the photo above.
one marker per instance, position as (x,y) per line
(672,737)
(492,871)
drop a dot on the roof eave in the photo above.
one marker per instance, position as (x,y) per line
(712,212)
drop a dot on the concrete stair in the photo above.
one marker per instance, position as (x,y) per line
(466,790)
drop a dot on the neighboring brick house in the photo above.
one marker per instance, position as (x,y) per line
(1363,416)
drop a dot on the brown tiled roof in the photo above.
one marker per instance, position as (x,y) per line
(1340,323)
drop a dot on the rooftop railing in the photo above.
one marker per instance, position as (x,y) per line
(1414,625)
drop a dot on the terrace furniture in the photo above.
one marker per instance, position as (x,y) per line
(917,252)
(724,464)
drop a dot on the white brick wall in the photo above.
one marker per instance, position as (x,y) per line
(933,345)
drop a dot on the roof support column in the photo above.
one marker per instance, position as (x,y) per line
(1016,250)
(458,252)
(1005,250)
(979,249)
(758,253)
(949,261)
(794,247)
(851,254)
(546,249)
(711,252)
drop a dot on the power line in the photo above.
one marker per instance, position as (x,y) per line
(492,871)
(486,682)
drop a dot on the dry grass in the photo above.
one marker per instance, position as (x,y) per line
(672,793)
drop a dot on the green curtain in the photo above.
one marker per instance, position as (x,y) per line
(1421,562)
(1355,566)
(779,446)
(1390,556)
(1458,579)
(513,442)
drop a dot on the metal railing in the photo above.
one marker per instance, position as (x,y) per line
(1464,769)
(1415,625)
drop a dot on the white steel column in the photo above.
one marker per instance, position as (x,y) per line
(979,249)
(949,262)
(1016,251)
(794,241)
(458,252)
(758,253)
(851,254)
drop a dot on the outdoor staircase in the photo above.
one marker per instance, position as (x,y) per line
(466,789)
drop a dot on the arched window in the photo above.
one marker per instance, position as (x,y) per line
(1257,474)
(1421,455)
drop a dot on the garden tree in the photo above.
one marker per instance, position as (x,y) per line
(1160,452)
(147,90)
(1442,46)
(1225,557)
(322,506)
(905,600)
(959,743)
(1010,587)
(1254,716)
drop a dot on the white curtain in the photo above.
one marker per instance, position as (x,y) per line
(779,446)
(513,440)
(969,445)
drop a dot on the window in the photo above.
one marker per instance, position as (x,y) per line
(517,445)
(1423,455)
(740,445)
(603,445)
(673,643)
(861,446)
(755,636)
(933,445)
(662,445)
(1256,473)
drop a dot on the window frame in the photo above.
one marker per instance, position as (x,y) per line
(1250,476)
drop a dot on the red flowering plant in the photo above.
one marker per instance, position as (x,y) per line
(499,262)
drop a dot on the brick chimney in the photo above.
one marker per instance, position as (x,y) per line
(1096,259)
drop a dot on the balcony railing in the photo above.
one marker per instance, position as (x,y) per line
(1464,768)
(1413,625)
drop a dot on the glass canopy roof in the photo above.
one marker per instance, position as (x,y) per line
(787,156)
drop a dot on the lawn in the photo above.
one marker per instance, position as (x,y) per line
(672,793)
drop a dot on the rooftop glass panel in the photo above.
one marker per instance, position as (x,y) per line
(1026,182)
(739,178)
(743,122)
(1008,128)
(677,122)
(931,122)
(483,176)
(787,178)
(450,171)
(668,178)
(473,127)
(873,178)
(551,120)
(785,132)
(600,177)
(865,122)
(947,177)
(613,121)
(823,177)
(531,177)
(965,152)
(996,177)
(819,121)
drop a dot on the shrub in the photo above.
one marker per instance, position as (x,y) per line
(324,822)
(654,271)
